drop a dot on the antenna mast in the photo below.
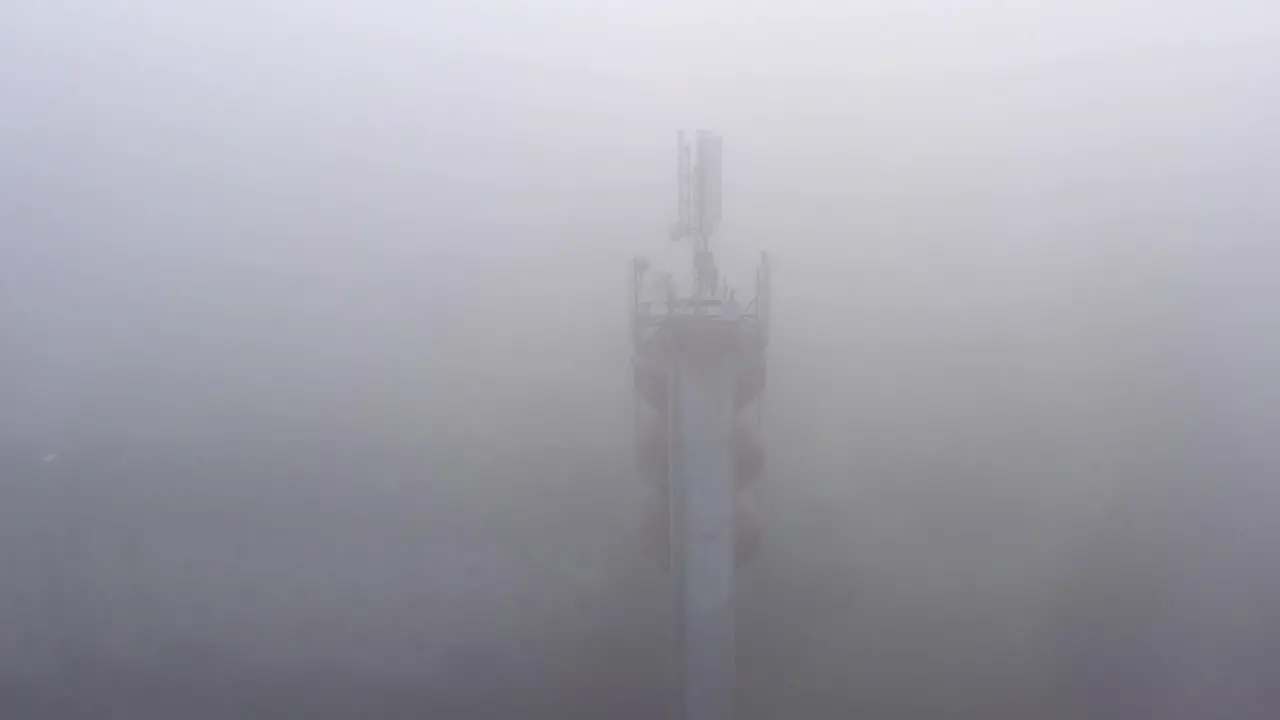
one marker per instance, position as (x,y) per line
(699,365)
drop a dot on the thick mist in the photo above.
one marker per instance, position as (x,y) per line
(315,370)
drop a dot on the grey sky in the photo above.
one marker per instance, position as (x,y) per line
(320,308)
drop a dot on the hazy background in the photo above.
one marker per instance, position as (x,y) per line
(314,363)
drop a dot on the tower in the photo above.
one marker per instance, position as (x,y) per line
(699,364)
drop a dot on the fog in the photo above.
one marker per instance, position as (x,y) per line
(315,392)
